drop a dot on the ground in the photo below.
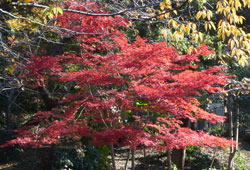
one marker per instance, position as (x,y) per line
(149,160)
(245,148)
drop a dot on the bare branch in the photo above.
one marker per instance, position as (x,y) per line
(44,25)
(85,13)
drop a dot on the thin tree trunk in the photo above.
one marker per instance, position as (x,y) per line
(9,108)
(231,129)
(126,163)
(231,133)
(180,154)
(230,160)
(169,160)
(144,151)
(113,157)
(183,159)
(237,127)
(133,159)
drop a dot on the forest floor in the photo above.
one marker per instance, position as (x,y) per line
(245,148)
(150,160)
(155,161)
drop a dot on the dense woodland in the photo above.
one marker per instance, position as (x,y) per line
(124,84)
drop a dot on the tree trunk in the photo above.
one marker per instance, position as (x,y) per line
(133,159)
(237,127)
(126,163)
(169,160)
(9,113)
(230,160)
(179,156)
(183,159)
(113,157)
(229,109)
(144,151)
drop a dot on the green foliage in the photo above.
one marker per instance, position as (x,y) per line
(241,161)
(104,161)
(216,130)
(72,67)
(173,166)
(192,150)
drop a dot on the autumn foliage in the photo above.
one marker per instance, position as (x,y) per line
(119,92)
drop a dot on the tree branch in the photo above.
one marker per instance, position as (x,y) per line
(82,12)
(44,25)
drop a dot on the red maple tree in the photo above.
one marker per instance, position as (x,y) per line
(127,93)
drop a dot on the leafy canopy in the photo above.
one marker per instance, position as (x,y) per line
(219,23)
(117,92)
